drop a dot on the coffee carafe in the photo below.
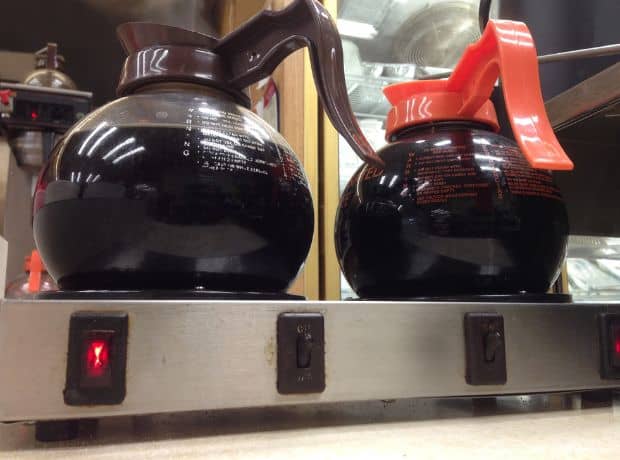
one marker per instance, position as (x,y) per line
(176,184)
(459,210)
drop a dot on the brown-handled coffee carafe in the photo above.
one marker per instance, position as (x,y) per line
(177,185)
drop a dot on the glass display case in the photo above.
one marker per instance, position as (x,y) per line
(585,119)
(593,268)
(384,42)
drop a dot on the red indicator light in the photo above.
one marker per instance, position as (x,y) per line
(97,358)
(96,364)
(34,115)
(614,345)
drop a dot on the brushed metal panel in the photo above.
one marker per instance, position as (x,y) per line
(221,354)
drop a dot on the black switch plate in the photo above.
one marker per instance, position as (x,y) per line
(301,353)
(485,349)
(82,389)
(609,329)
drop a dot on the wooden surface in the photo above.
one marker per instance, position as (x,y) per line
(298,120)
(330,196)
(232,13)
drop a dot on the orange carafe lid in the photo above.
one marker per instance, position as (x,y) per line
(506,50)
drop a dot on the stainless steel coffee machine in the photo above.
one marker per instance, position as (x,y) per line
(33,115)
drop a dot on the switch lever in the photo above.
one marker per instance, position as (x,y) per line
(492,342)
(304,350)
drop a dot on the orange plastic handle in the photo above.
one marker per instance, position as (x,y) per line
(506,49)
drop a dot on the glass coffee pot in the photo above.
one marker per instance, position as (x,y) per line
(457,209)
(177,185)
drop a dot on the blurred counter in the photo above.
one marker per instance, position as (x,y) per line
(527,427)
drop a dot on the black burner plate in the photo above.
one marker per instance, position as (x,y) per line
(165,295)
(227,295)
(510,298)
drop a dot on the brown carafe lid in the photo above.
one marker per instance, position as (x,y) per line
(158,53)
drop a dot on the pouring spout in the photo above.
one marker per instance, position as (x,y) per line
(135,36)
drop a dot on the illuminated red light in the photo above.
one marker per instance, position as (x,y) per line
(617,345)
(34,115)
(97,358)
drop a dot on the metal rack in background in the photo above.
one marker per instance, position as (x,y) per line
(484,10)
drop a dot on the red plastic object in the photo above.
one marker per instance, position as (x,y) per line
(506,49)
(5,96)
(34,265)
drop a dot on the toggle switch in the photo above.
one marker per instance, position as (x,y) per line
(609,329)
(96,358)
(485,349)
(301,353)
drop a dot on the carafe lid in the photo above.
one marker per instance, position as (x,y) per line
(506,50)
(159,53)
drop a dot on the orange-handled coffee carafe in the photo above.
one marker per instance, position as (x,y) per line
(459,209)
(506,49)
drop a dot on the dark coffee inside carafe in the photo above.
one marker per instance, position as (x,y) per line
(457,211)
(174,219)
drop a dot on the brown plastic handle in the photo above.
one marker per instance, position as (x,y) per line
(255,49)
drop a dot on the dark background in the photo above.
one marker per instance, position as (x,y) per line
(563,25)
(85,32)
